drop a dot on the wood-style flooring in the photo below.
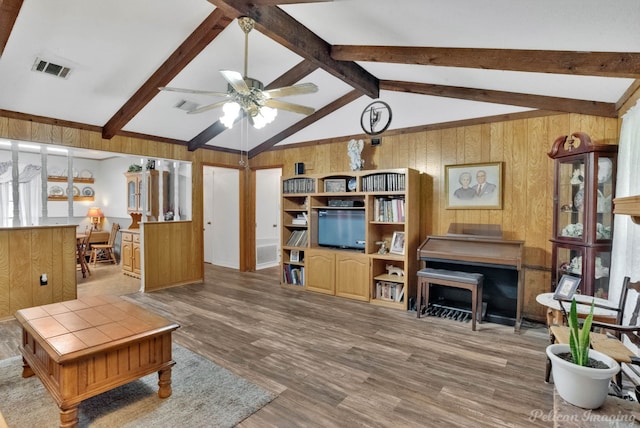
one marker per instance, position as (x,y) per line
(339,363)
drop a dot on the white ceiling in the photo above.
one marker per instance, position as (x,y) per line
(113,47)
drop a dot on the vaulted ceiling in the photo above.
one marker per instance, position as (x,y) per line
(435,63)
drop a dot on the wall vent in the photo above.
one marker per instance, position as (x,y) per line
(266,255)
(43,66)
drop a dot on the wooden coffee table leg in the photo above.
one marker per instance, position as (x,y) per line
(69,417)
(26,370)
(164,383)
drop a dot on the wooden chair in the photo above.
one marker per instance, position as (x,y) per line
(603,342)
(104,252)
(82,247)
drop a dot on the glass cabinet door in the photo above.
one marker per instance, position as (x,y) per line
(571,200)
(604,194)
(131,195)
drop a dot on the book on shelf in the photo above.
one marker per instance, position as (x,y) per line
(293,275)
(389,209)
(389,291)
(301,219)
(298,238)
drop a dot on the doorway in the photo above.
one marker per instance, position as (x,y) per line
(221,212)
(267,217)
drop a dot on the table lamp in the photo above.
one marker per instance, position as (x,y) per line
(95,214)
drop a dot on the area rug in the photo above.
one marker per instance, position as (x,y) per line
(204,395)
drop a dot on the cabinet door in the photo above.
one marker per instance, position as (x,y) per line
(320,271)
(136,258)
(352,276)
(127,255)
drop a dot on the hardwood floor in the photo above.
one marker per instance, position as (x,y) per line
(341,363)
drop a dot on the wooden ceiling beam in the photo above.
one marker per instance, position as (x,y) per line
(279,2)
(294,75)
(9,10)
(208,30)
(308,120)
(605,64)
(541,102)
(283,29)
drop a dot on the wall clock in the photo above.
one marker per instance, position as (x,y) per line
(375,118)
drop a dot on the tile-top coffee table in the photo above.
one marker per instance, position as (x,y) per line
(81,348)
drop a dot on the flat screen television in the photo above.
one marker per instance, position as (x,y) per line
(341,228)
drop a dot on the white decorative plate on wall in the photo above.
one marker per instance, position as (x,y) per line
(76,191)
(56,191)
(85,173)
(87,191)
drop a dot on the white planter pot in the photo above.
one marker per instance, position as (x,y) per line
(584,387)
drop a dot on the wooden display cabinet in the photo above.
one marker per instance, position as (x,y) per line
(389,201)
(584,184)
(135,192)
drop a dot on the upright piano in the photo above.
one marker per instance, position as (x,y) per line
(480,249)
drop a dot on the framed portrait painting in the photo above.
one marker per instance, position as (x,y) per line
(473,186)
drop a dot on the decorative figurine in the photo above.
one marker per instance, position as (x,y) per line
(383,247)
(394,270)
(354,150)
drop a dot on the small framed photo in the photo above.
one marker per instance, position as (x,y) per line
(397,243)
(332,185)
(566,287)
(294,256)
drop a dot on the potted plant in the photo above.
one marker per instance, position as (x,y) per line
(581,375)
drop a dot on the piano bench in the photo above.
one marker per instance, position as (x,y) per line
(452,278)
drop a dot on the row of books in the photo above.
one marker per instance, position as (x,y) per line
(299,185)
(292,274)
(389,182)
(388,209)
(390,291)
(298,238)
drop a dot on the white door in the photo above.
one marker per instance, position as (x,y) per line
(268,217)
(221,213)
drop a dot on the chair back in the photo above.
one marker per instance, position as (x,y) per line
(85,242)
(112,235)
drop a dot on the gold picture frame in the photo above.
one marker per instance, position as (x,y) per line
(473,186)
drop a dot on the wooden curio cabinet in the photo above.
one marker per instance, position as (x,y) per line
(135,193)
(584,184)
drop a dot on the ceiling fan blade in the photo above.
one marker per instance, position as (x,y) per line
(282,105)
(303,88)
(236,81)
(194,91)
(208,107)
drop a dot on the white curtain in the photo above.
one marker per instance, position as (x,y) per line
(626,235)
(30,191)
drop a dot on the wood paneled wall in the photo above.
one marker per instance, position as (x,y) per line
(522,146)
(28,252)
(164,245)
(189,261)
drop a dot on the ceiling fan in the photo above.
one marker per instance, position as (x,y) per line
(248,94)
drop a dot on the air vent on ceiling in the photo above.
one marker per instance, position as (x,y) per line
(186,105)
(47,67)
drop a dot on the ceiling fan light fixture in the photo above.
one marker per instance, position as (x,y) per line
(231,112)
(265,116)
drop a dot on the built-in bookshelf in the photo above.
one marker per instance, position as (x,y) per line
(383,270)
